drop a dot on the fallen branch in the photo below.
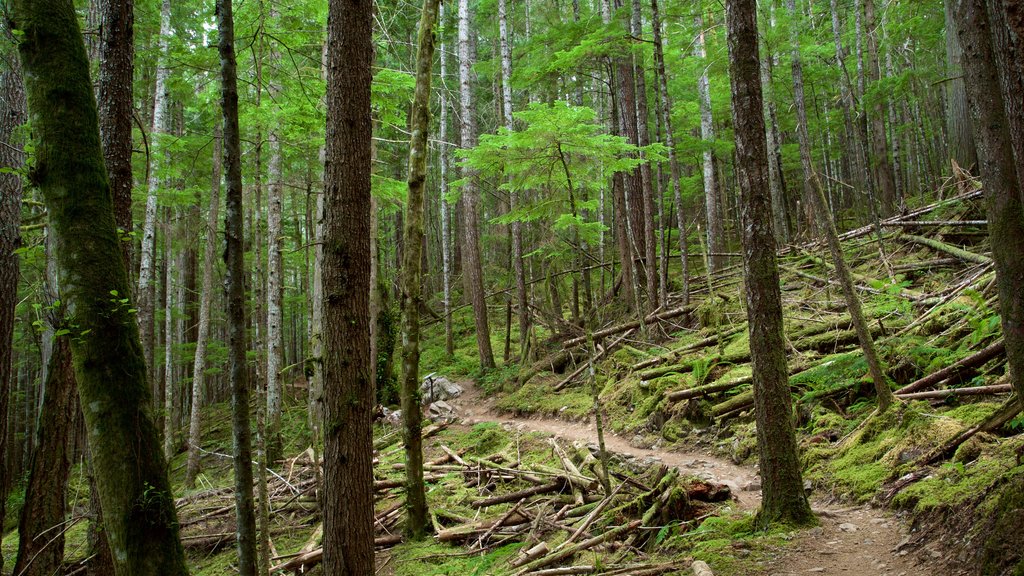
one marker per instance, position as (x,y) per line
(972,361)
(611,331)
(585,545)
(948,249)
(973,391)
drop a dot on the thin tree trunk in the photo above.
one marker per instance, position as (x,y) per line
(161,122)
(827,225)
(666,108)
(348,384)
(417,523)
(472,266)
(522,300)
(783,498)
(169,337)
(998,172)
(12,115)
(649,243)
(712,202)
(446,209)
(886,182)
(774,168)
(275,294)
(234,258)
(205,302)
(108,357)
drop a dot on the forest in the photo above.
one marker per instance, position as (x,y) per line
(511,287)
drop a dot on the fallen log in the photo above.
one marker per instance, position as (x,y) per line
(973,361)
(585,545)
(612,330)
(304,562)
(675,354)
(557,485)
(678,395)
(908,223)
(960,253)
(474,529)
(926,265)
(973,391)
(1004,414)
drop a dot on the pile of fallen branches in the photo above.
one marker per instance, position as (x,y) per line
(556,510)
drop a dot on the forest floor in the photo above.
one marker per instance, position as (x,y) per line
(850,541)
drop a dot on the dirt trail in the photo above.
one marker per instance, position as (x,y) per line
(857,541)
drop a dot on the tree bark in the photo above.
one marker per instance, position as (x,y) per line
(471,264)
(205,302)
(140,518)
(40,530)
(147,262)
(783,498)
(12,115)
(116,63)
(996,162)
(348,388)
(234,282)
(412,297)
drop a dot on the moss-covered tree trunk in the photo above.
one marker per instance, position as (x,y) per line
(40,530)
(140,518)
(234,258)
(783,498)
(996,161)
(12,115)
(412,289)
(348,386)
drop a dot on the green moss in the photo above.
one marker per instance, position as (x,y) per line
(536,398)
(419,558)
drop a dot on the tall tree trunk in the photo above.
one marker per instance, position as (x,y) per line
(644,139)
(446,209)
(850,156)
(783,498)
(712,202)
(234,282)
(116,67)
(775,185)
(12,115)
(1005,208)
(40,530)
(417,523)
(1007,23)
(348,388)
(959,132)
(472,265)
(140,517)
(884,178)
(522,300)
(275,295)
(827,225)
(168,383)
(147,264)
(666,110)
(205,302)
